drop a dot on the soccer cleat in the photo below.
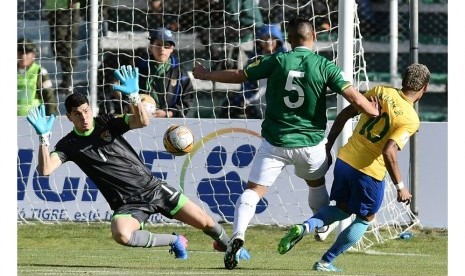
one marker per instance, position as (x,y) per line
(330,267)
(323,232)
(243,253)
(292,237)
(233,252)
(179,247)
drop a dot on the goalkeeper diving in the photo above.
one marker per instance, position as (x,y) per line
(97,146)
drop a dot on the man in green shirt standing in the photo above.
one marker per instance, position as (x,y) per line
(64,18)
(34,86)
(295,122)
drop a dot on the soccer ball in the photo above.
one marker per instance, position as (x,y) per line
(178,140)
(149,103)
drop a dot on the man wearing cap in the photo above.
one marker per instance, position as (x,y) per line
(251,104)
(163,78)
(33,81)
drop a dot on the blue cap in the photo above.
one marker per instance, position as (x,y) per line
(163,35)
(271,29)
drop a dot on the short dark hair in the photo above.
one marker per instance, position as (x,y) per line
(26,46)
(75,100)
(300,27)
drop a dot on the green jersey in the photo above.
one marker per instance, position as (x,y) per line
(296,95)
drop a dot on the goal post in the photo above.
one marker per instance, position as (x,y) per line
(215,172)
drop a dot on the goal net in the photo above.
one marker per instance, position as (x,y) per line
(226,131)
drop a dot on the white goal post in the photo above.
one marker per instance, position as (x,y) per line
(213,175)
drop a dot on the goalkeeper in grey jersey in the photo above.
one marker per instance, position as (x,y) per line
(295,122)
(97,146)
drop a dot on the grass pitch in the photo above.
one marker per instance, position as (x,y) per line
(88,249)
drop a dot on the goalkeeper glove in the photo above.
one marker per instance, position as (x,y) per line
(129,80)
(36,117)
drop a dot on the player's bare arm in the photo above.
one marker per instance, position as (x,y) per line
(339,123)
(226,76)
(48,163)
(139,118)
(390,151)
(361,103)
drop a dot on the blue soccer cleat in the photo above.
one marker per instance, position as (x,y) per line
(179,247)
(320,267)
(244,254)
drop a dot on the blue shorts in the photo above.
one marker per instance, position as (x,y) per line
(362,193)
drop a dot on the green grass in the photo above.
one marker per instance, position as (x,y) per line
(88,249)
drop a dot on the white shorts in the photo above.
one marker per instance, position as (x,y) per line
(310,162)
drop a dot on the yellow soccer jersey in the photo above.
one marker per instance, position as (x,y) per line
(398,121)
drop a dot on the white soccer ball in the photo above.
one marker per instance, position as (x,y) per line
(178,140)
(149,104)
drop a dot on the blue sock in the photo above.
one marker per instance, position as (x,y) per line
(325,216)
(346,239)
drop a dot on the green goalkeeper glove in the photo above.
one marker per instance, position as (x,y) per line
(129,79)
(36,117)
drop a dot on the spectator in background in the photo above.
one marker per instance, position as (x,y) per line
(162,15)
(250,103)
(367,17)
(223,25)
(33,82)
(64,18)
(163,78)
(245,16)
(103,8)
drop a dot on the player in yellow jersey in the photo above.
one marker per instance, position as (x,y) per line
(361,165)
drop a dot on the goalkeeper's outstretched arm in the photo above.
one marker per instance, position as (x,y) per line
(129,85)
(46,163)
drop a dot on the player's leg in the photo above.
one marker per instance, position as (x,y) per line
(243,213)
(317,198)
(325,216)
(345,240)
(195,216)
(311,165)
(364,199)
(127,228)
(267,165)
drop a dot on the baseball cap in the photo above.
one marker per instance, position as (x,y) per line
(26,46)
(162,34)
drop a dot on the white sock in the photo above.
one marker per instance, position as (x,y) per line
(245,210)
(317,198)
(306,228)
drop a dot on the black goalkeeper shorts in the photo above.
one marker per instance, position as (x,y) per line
(163,199)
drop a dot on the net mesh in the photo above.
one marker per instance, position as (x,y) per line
(222,36)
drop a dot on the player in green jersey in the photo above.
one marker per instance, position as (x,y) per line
(295,121)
